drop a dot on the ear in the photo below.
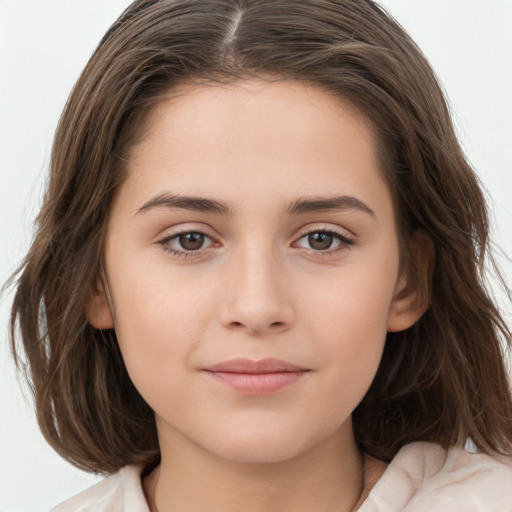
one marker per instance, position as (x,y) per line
(98,308)
(412,291)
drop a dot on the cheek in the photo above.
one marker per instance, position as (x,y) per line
(347,318)
(159,322)
(352,343)
(354,301)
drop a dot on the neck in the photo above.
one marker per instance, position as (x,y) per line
(328,477)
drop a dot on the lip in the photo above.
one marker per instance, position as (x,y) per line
(241,365)
(263,377)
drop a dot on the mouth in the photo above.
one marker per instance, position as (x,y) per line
(263,377)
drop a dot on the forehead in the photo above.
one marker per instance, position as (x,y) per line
(281,138)
(262,107)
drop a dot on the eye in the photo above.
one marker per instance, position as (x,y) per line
(324,240)
(186,242)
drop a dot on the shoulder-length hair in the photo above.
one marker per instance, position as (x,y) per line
(443,380)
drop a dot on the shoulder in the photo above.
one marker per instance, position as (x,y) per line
(120,492)
(424,477)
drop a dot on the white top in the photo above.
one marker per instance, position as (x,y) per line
(423,477)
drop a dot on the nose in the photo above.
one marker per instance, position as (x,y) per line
(257,295)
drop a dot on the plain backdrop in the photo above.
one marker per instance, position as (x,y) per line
(43,47)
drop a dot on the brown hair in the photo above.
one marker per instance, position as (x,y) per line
(442,380)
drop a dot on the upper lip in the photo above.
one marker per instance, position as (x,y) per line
(241,365)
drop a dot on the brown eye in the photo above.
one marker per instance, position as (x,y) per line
(187,243)
(326,241)
(191,241)
(320,241)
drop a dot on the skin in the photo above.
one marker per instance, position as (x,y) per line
(258,286)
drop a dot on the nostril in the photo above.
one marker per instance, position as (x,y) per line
(272,326)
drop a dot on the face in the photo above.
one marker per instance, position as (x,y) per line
(253,268)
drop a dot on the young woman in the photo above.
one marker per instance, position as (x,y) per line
(257,278)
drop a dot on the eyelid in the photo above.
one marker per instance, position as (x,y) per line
(326,228)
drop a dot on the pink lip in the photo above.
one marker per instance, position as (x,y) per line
(256,377)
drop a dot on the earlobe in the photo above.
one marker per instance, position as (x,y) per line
(98,308)
(412,291)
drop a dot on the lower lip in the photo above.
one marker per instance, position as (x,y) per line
(257,383)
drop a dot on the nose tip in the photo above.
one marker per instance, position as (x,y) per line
(257,300)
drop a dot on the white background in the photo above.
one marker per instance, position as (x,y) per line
(43,47)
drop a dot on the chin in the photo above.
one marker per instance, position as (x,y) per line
(261,447)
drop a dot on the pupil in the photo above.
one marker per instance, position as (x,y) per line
(192,241)
(320,241)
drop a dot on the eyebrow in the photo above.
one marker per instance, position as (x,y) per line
(325,204)
(197,204)
(300,206)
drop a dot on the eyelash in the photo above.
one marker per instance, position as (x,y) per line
(344,240)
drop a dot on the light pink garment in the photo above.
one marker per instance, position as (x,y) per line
(421,478)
